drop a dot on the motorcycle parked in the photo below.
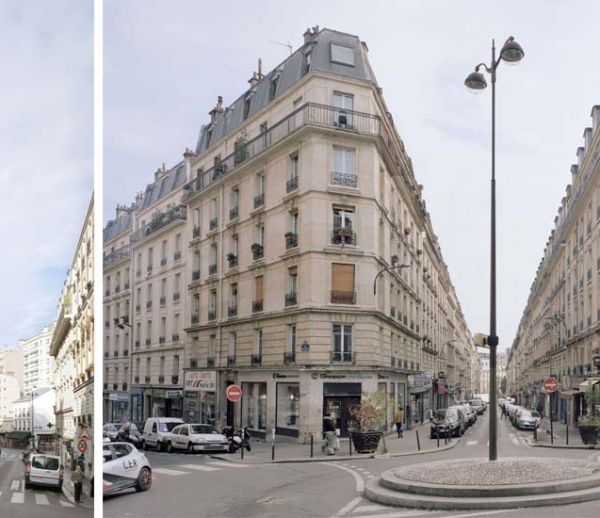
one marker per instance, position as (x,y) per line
(237,440)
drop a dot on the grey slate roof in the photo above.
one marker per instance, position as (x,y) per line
(290,72)
(169,182)
(117,226)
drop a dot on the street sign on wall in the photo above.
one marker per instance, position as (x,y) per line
(550,385)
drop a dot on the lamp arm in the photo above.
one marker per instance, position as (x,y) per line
(388,269)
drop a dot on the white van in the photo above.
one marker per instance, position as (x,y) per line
(156,431)
(44,470)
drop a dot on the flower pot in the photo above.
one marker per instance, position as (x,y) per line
(365,442)
(589,434)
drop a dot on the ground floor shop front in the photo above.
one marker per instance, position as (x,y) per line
(155,402)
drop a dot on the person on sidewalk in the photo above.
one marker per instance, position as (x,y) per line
(329,432)
(77,479)
(399,419)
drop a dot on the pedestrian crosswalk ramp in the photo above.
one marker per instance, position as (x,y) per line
(18,495)
(186,469)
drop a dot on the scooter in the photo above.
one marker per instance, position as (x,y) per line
(237,440)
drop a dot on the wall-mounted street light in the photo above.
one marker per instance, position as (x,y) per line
(388,269)
(511,53)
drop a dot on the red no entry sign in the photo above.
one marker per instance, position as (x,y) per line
(234,393)
(82,445)
(550,385)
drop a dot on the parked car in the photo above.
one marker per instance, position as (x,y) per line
(478,405)
(196,437)
(110,430)
(129,432)
(43,470)
(448,422)
(512,412)
(124,467)
(527,419)
(157,429)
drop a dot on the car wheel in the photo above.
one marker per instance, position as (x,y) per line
(169,447)
(144,480)
(159,446)
(191,448)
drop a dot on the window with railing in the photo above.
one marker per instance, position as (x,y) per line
(342,343)
(343,173)
(342,284)
(343,226)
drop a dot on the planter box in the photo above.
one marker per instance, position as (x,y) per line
(365,442)
(589,434)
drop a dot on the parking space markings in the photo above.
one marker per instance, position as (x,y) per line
(15,485)
(228,464)
(471,443)
(66,504)
(198,467)
(41,499)
(17,498)
(165,471)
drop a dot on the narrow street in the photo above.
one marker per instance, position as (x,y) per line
(16,501)
(222,489)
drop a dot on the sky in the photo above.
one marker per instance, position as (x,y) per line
(46,168)
(166,63)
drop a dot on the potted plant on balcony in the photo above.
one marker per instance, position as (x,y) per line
(232,258)
(589,425)
(369,417)
(290,237)
(257,249)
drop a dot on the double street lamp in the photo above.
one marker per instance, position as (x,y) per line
(511,52)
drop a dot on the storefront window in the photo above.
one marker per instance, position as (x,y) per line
(288,405)
(254,405)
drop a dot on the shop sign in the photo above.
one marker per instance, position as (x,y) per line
(172,394)
(118,396)
(200,381)
(326,376)
(423,378)
(277,375)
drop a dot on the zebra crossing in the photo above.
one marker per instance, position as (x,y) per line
(517,439)
(178,470)
(19,496)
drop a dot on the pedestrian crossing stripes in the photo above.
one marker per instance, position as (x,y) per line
(198,467)
(17,498)
(171,472)
(41,499)
(176,471)
(15,485)
(18,495)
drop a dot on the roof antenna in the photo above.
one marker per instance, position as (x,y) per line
(288,45)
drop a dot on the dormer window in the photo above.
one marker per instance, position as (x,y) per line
(273,87)
(247,107)
(342,54)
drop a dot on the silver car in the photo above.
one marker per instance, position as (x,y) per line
(196,437)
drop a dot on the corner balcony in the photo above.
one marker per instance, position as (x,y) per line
(343,357)
(291,299)
(116,256)
(258,251)
(309,114)
(344,179)
(343,236)
(343,297)
(159,222)
(291,184)
(291,240)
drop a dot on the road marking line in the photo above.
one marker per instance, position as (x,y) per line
(41,499)
(476,514)
(369,508)
(360,485)
(228,464)
(514,439)
(165,471)
(198,467)
(471,443)
(349,506)
(66,504)
(15,485)
(17,498)
(400,514)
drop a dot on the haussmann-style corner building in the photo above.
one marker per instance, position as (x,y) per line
(253,262)
(559,332)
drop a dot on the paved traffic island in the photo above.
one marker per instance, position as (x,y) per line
(480,484)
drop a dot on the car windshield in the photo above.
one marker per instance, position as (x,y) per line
(475,402)
(133,428)
(202,428)
(444,413)
(535,414)
(110,428)
(167,427)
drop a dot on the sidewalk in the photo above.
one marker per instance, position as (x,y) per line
(69,490)
(560,436)
(287,449)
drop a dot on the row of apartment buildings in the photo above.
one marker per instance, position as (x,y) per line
(253,262)
(559,332)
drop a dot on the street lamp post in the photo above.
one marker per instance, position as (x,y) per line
(511,53)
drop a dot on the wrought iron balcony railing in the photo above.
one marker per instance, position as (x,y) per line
(343,236)
(212,269)
(289,358)
(291,240)
(116,256)
(257,306)
(291,298)
(213,223)
(232,311)
(212,314)
(159,221)
(344,179)
(291,184)
(234,212)
(343,297)
(343,357)
(256,359)
(231,360)
(258,251)
(259,200)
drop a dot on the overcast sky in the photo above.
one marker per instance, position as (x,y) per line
(166,63)
(46,176)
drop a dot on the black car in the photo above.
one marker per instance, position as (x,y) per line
(129,432)
(447,422)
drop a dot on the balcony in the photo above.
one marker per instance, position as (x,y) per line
(163,261)
(344,179)
(343,357)
(212,269)
(148,341)
(161,339)
(212,314)
(137,344)
(195,232)
(289,358)
(291,299)
(115,353)
(125,352)
(210,362)
(257,306)
(291,184)
(232,260)
(176,256)
(343,236)
(196,275)
(106,354)
(147,379)
(115,256)
(213,223)
(256,359)
(137,308)
(343,297)
(124,386)
(176,297)
(149,269)
(163,301)
(160,221)
(234,212)
(175,337)
(309,114)
(232,311)
(291,240)
(193,363)
(161,379)
(149,304)
(393,312)
(195,318)
(126,285)
(259,200)
(258,251)
(231,360)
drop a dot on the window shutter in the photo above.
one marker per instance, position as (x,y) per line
(342,277)
(349,161)
(259,288)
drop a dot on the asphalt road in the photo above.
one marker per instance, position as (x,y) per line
(187,485)
(18,502)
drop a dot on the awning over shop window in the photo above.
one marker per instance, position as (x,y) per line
(418,389)
(18,436)
(589,382)
(568,394)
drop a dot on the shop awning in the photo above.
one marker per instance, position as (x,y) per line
(568,394)
(18,436)
(418,389)
(588,383)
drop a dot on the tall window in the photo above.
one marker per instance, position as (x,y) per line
(343,167)
(258,342)
(234,203)
(176,286)
(232,344)
(293,280)
(148,332)
(291,339)
(163,255)
(343,226)
(177,246)
(273,87)
(163,330)
(344,104)
(150,259)
(342,343)
(258,288)
(342,284)
(259,198)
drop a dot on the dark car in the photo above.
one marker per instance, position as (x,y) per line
(478,405)
(447,422)
(129,432)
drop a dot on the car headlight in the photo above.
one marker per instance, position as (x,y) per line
(201,440)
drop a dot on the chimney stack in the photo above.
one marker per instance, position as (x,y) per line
(216,110)
(188,154)
(307,36)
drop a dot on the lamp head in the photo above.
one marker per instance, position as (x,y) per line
(476,82)
(512,52)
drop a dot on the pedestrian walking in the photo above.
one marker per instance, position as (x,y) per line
(399,419)
(77,479)
(329,433)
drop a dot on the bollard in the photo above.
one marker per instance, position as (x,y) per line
(437,433)
(418,442)
(567,432)
(312,444)
(242,449)
(535,433)
(350,444)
